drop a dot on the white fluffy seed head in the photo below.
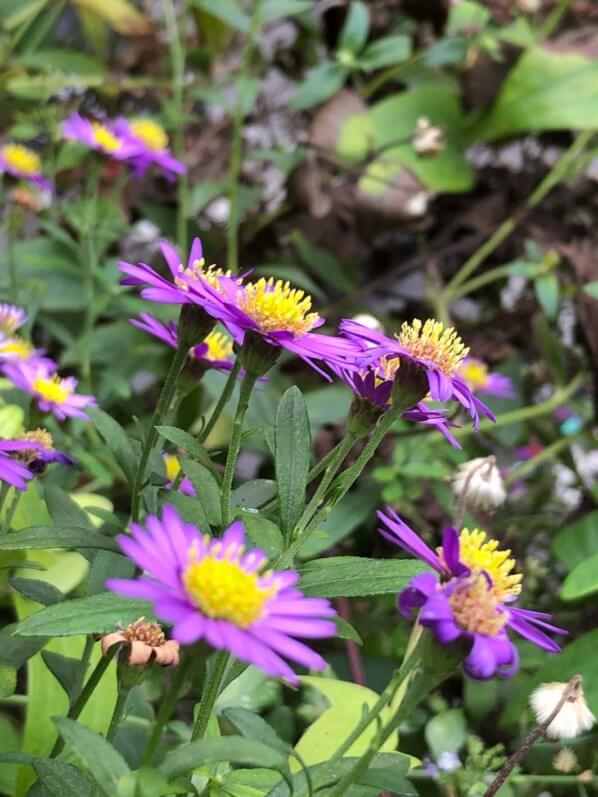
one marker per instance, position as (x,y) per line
(574,717)
(480,479)
(565,760)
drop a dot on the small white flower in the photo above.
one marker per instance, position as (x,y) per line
(482,483)
(565,760)
(427,139)
(573,718)
(448,762)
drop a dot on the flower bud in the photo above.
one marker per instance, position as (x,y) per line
(363,416)
(480,484)
(409,387)
(256,355)
(574,716)
(194,325)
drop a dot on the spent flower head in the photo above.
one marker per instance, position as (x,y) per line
(218,591)
(574,716)
(479,484)
(11,318)
(144,642)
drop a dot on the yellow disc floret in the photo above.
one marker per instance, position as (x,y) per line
(198,271)
(220,347)
(478,552)
(276,307)
(23,160)
(171,465)
(475,374)
(431,341)
(105,138)
(52,389)
(475,606)
(150,133)
(223,590)
(19,349)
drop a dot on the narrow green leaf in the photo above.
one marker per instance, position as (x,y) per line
(293,454)
(38,591)
(64,668)
(547,292)
(117,440)
(60,779)
(321,83)
(386,51)
(17,651)
(591,288)
(577,541)
(100,759)
(254,494)
(8,679)
(206,490)
(274,9)
(187,443)
(582,581)
(226,11)
(252,726)
(236,749)
(39,537)
(96,614)
(63,510)
(356,28)
(262,533)
(351,576)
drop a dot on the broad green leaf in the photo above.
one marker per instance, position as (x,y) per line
(319,85)
(189,508)
(63,510)
(97,614)
(227,11)
(591,288)
(65,669)
(236,749)
(292,457)
(545,90)
(206,489)
(121,15)
(355,31)
(263,533)
(8,679)
(60,779)
(117,440)
(105,764)
(186,442)
(36,590)
(352,576)
(582,581)
(146,783)
(254,494)
(62,60)
(577,542)
(446,731)
(15,650)
(385,51)
(41,537)
(547,292)
(252,726)
(386,778)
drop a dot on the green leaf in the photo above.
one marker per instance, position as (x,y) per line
(262,533)
(146,783)
(274,9)
(117,441)
(63,510)
(60,779)
(206,490)
(577,542)
(385,51)
(347,515)
(65,669)
(38,591)
(582,581)
(544,91)
(324,264)
(235,749)
(591,288)
(352,576)
(547,292)
(355,31)
(8,679)
(227,11)
(97,614)
(40,537)
(187,443)
(387,779)
(189,508)
(254,494)
(252,726)
(98,756)
(16,651)
(446,732)
(320,84)
(292,456)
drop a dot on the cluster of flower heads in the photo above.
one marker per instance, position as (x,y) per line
(138,142)
(470,596)
(30,370)
(282,317)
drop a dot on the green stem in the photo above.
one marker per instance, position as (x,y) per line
(3,495)
(117,714)
(10,511)
(546,455)
(85,657)
(10,256)
(80,703)
(222,401)
(152,435)
(177,63)
(478,282)
(210,696)
(237,141)
(166,708)
(235,444)
(554,19)
(556,175)
(89,264)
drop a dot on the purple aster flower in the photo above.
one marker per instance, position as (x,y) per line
(12,471)
(101,136)
(216,351)
(11,318)
(23,164)
(172,466)
(177,290)
(479,379)
(14,350)
(213,589)
(431,347)
(35,450)
(470,597)
(53,393)
(150,142)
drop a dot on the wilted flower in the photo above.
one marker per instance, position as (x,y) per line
(24,164)
(573,718)
(101,136)
(480,484)
(11,318)
(437,351)
(146,642)
(470,597)
(53,393)
(428,139)
(150,144)
(214,589)
(479,379)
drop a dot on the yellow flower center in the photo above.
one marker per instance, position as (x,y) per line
(477,552)
(475,607)
(223,590)
(41,436)
(198,271)
(220,347)
(151,133)
(475,374)
(172,466)
(52,389)
(431,341)
(16,346)
(105,138)
(276,307)
(21,159)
